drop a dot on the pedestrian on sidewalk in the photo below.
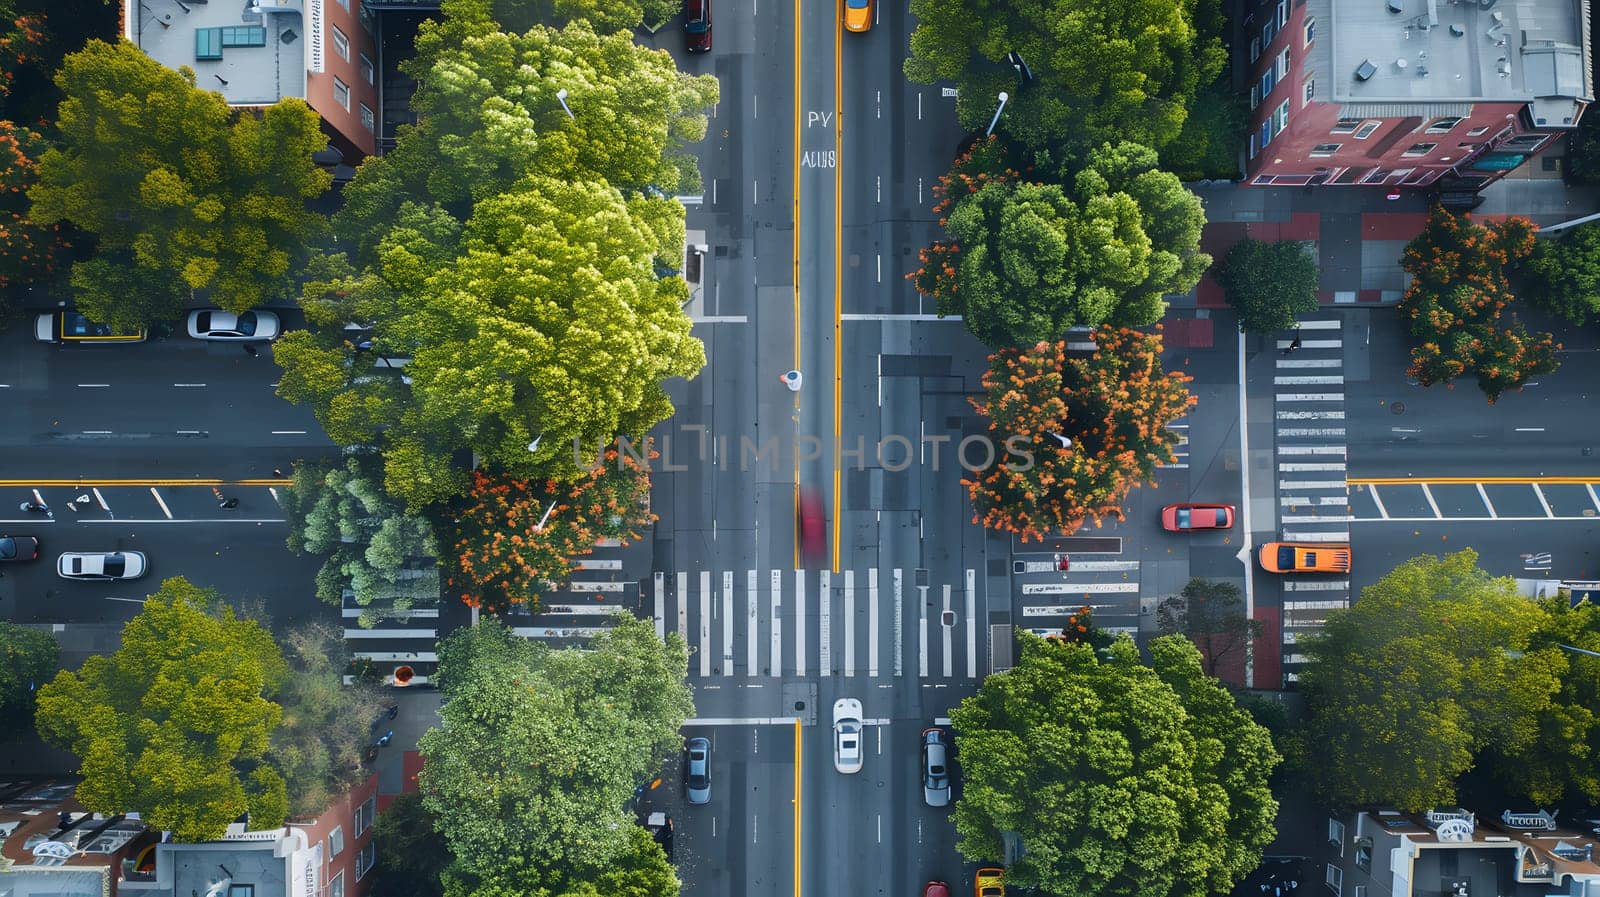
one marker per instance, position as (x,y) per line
(1294,344)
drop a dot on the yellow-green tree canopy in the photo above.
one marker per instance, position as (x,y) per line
(181,192)
(1118,778)
(175,724)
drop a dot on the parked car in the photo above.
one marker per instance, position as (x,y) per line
(1305,557)
(659,825)
(989,882)
(697,775)
(697,26)
(19,548)
(847,735)
(71,327)
(935,767)
(101,565)
(1187,517)
(215,324)
(857,15)
(935,889)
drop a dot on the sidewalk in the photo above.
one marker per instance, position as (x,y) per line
(398,763)
(1358,233)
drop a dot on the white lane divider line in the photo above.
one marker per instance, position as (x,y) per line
(946,630)
(164,509)
(727,623)
(752,628)
(922,631)
(661,605)
(972,624)
(705,623)
(799,622)
(899,602)
(872,622)
(683,606)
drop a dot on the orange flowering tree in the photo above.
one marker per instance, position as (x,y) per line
(28,251)
(502,554)
(1111,407)
(1457,300)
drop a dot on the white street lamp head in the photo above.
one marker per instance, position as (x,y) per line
(1003,96)
(561,94)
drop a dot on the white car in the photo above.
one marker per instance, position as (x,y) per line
(214,324)
(847,735)
(98,565)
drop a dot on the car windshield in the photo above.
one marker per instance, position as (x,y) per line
(1183,518)
(857,4)
(1285,557)
(115,565)
(696,26)
(8,548)
(698,782)
(202,321)
(74,324)
(247,324)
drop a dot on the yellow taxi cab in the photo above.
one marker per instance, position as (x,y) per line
(1305,557)
(71,327)
(989,882)
(857,15)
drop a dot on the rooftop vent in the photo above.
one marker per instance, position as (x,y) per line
(1365,70)
(1458,31)
(1396,6)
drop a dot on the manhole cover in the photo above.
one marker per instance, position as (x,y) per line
(1397,407)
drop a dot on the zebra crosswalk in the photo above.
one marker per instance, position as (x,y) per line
(773,623)
(1313,492)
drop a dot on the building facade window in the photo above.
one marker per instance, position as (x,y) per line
(336,841)
(1477,132)
(1524,142)
(345,4)
(1420,149)
(1323,150)
(1250,147)
(1283,64)
(368,70)
(341,93)
(1308,92)
(1366,129)
(1283,13)
(336,887)
(366,117)
(1255,95)
(1266,132)
(1346,126)
(1336,834)
(1280,118)
(1269,32)
(1269,80)
(1255,49)
(1311,31)
(365,860)
(341,44)
(1443,125)
(369,807)
(1334,879)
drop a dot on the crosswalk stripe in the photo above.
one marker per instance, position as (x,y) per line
(727,623)
(1310,536)
(1309,380)
(849,623)
(1313,344)
(825,624)
(752,627)
(661,605)
(972,624)
(777,623)
(1319,324)
(1306,364)
(1310,397)
(1296,501)
(872,622)
(945,630)
(705,623)
(799,622)
(899,602)
(1316,585)
(1312,518)
(1319,432)
(1311,450)
(1312,484)
(1309,415)
(683,605)
(1078,588)
(1099,566)
(1307,467)
(1336,604)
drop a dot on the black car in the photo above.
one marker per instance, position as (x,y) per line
(697,26)
(19,548)
(659,825)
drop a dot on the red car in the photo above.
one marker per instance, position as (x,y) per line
(1186,517)
(935,889)
(812,528)
(697,25)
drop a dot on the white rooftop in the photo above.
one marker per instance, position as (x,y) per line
(253,52)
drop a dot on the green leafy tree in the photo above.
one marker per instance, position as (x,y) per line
(607,16)
(384,556)
(175,186)
(1406,687)
(504,556)
(1025,261)
(326,724)
(1564,274)
(28,659)
(175,725)
(1211,614)
(546,325)
(564,736)
(489,117)
(1117,778)
(1104,69)
(1269,284)
(28,251)
(1208,145)
(1456,301)
(642,870)
(411,853)
(1112,407)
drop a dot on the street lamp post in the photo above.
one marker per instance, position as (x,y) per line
(539,527)
(1003,96)
(561,97)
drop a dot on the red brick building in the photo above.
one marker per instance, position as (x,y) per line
(1410,93)
(256,52)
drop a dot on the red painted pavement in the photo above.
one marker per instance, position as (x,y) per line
(410,766)
(1392,225)
(1269,649)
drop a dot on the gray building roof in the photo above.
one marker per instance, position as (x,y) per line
(1415,54)
(253,53)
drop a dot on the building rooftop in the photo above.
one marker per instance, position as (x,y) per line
(1431,58)
(253,52)
(1521,855)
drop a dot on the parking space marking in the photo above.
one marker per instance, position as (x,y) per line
(164,509)
(849,623)
(1594,499)
(872,622)
(1378,500)
(1486,502)
(1428,494)
(1542,503)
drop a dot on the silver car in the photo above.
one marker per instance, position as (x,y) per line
(847,735)
(101,565)
(215,324)
(697,781)
(935,768)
